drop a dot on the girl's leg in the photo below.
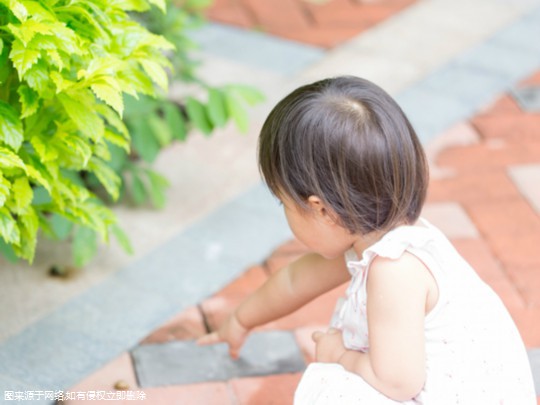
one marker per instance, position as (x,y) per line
(331,384)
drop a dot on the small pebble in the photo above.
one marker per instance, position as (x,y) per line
(121,385)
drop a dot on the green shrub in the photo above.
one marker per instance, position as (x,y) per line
(64,69)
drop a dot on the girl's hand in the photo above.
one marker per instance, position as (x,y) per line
(231,332)
(328,346)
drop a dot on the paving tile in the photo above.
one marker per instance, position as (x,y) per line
(486,156)
(533,80)
(183,362)
(534,359)
(451,219)
(487,84)
(527,282)
(527,179)
(218,307)
(277,13)
(105,379)
(528,98)
(511,127)
(270,390)
(445,110)
(461,134)
(504,61)
(256,49)
(479,255)
(473,187)
(504,104)
(512,229)
(191,394)
(52,357)
(189,324)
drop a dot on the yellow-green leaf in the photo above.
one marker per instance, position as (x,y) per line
(22,193)
(22,57)
(156,72)
(110,95)
(11,129)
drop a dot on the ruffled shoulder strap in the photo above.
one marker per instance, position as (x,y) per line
(392,245)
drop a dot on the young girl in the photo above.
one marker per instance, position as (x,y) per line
(417,325)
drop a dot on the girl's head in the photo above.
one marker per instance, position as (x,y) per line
(347,142)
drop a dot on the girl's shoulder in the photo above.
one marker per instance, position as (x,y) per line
(396,242)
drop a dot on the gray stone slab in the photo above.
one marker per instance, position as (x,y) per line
(431,111)
(184,362)
(528,98)
(256,48)
(50,357)
(534,359)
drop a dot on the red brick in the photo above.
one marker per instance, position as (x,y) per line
(487,156)
(192,394)
(527,281)
(268,390)
(473,186)
(326,37)
(533,80)
(508,293)
(503,105)
(524,127)
(478,254)
(187,325)
(219,306)
(277,14)
(512,229)
(350,15)
(234,16)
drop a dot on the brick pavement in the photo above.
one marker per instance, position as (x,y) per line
(317,22)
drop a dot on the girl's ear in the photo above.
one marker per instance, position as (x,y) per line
(321,211)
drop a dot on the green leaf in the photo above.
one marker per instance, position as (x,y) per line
(197,114)
(11,130)
(217,109)
(5,190)
(107,177)
(84,246)
(8,159)
(158,186)
(26,31)
(22,193)
(122,238)
(8,227)
(83,116)
(61,226)
(138,189)
(22,57)
(175,120)
(7,251)
(143,142)
(109,94)
(28,222)
(249,94)
(160,130)
(29,101)
(18,10)
(156,72)
(161,4)
(238,111)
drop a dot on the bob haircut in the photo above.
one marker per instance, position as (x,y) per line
(346,141)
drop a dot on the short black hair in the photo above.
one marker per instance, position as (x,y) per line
(346,141)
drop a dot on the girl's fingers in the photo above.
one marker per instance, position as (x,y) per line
(209,339)
(316,336)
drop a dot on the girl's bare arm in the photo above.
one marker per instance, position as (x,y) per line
(284,292)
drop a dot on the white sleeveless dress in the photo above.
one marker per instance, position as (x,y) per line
(474,353)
